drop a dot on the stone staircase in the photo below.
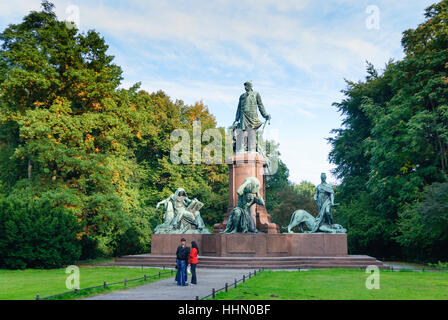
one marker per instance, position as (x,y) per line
(302,262)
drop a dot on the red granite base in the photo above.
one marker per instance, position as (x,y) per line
(255,245)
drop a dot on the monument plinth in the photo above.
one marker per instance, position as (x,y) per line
(242,166)
(256,244)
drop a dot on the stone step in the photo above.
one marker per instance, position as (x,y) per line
(265,263)
(239,261)
(239,258)
(355,261)
(302,266)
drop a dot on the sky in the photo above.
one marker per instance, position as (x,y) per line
(297,53)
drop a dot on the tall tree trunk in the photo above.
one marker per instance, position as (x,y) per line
(30,167)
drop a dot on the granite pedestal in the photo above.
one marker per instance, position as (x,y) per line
(255,245)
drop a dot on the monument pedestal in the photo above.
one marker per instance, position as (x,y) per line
(256,244)
(242,166)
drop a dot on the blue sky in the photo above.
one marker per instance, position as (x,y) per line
(296,52)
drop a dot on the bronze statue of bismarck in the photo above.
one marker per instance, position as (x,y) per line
(246,121)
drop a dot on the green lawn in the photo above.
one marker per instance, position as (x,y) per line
(340,284)
(25,284)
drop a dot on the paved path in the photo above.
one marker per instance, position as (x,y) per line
(169,290)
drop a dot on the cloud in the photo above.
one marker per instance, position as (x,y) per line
(297,52)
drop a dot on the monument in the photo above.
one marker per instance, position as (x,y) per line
(247,237)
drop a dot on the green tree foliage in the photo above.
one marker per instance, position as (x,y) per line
(35,234)
(291,198)
(423,225)
(394,138)
(70,136)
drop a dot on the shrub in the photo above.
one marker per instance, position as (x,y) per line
(36,235)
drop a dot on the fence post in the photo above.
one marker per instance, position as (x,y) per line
(125,282)
(249,274)
(171,271)
(104,285)
(37,297)
(255,272)
(235,282)
(159,274)
(213,293)
(244,278)
(227,288)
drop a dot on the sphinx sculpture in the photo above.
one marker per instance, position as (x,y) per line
(181,215)
(240,219)
(324,198)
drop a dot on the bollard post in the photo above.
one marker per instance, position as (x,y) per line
(171,271)
(197,297)
(226,287)
(159,274)
(213,293)
(125,282)
(244,278)
(249,274)
(255,272)
(37,297)
(235,282)
(144,277)
(104,284)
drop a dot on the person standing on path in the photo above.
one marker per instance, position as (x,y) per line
(182,255)
(194,261)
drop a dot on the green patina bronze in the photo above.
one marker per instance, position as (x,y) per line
(324,198)
(247,112)
(181,215)
(240,219)
(246,121)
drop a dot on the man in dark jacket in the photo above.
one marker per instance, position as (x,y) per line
(182,255)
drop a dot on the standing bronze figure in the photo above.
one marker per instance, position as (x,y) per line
(246,121)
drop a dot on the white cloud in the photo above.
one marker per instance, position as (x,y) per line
(296,51)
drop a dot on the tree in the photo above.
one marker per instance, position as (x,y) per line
(66,136)
(394,143)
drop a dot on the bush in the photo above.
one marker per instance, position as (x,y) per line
(37,235)
(423,226)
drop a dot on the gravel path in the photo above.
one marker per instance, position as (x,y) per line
(169,290)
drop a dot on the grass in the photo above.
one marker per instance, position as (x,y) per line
(340,284)
(25,284)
